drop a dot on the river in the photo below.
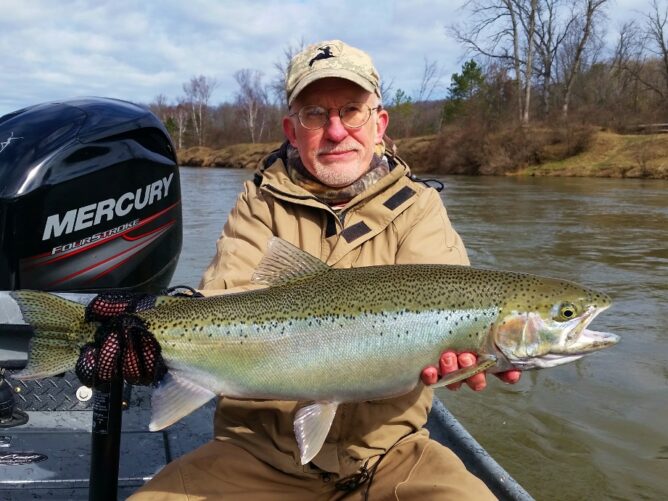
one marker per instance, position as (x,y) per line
(594,429)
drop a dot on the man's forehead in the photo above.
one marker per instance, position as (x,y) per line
(328,89)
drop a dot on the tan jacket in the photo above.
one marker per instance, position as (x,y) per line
(394,221)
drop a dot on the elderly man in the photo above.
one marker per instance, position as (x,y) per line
(334,191)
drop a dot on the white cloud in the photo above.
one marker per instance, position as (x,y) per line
(137,50)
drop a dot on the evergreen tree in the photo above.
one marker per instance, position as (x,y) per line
(463,88)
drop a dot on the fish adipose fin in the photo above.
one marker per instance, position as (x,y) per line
(174,398)
(60,331)
(483,363)
(284,263)
(312,424)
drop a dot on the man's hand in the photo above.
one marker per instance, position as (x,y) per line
(123,345)
(451,361)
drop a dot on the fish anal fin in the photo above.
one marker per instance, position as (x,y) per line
(312,424)
(284,263)
(174,398)
(483,363)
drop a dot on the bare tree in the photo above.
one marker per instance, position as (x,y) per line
(180,121)
(252,100)
(656,39)
(628,52)
(528,19)
(198,93)
(386,89)
(160,107)
(551,30)
(281,66)
(586,20)
(638,56)
(430,82)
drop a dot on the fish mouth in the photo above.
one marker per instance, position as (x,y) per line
(581,340)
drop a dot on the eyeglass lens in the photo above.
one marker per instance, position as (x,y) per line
(352,115)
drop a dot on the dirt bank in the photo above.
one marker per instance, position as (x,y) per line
(608,155)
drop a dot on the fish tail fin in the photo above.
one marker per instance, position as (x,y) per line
(60,330)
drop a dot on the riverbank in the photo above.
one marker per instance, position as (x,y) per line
(607,155)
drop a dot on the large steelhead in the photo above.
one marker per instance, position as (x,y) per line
(326,336)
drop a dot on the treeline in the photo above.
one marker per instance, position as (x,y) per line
(534,64)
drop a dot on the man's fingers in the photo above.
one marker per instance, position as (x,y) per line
(510,377)
(429,375)
(447,364)
(450,362)
(477,382)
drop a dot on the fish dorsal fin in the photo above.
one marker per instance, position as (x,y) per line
(284,263)
(312,424)
(175,397)
(166,300)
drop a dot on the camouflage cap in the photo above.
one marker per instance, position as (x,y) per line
(331,58)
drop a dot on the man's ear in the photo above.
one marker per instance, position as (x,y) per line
(381,124)
(289,130)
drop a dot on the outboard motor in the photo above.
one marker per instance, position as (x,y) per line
(89,198)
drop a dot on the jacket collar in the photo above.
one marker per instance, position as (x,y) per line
(275,180)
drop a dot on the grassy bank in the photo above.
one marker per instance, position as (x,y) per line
(606,155)
(612,155)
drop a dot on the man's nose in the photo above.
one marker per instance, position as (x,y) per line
(334,128)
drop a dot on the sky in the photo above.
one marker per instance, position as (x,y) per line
(136,50)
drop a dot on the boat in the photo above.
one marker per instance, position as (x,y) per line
(90,202)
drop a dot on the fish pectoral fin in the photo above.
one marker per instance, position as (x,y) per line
(174,398)
(483,363)
(312,424)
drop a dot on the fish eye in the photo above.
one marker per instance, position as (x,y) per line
(566,311)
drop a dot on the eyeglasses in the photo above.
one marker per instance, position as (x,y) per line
(352,115)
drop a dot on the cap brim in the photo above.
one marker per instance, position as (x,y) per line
(332,73)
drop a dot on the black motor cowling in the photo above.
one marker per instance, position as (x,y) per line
(89,198)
